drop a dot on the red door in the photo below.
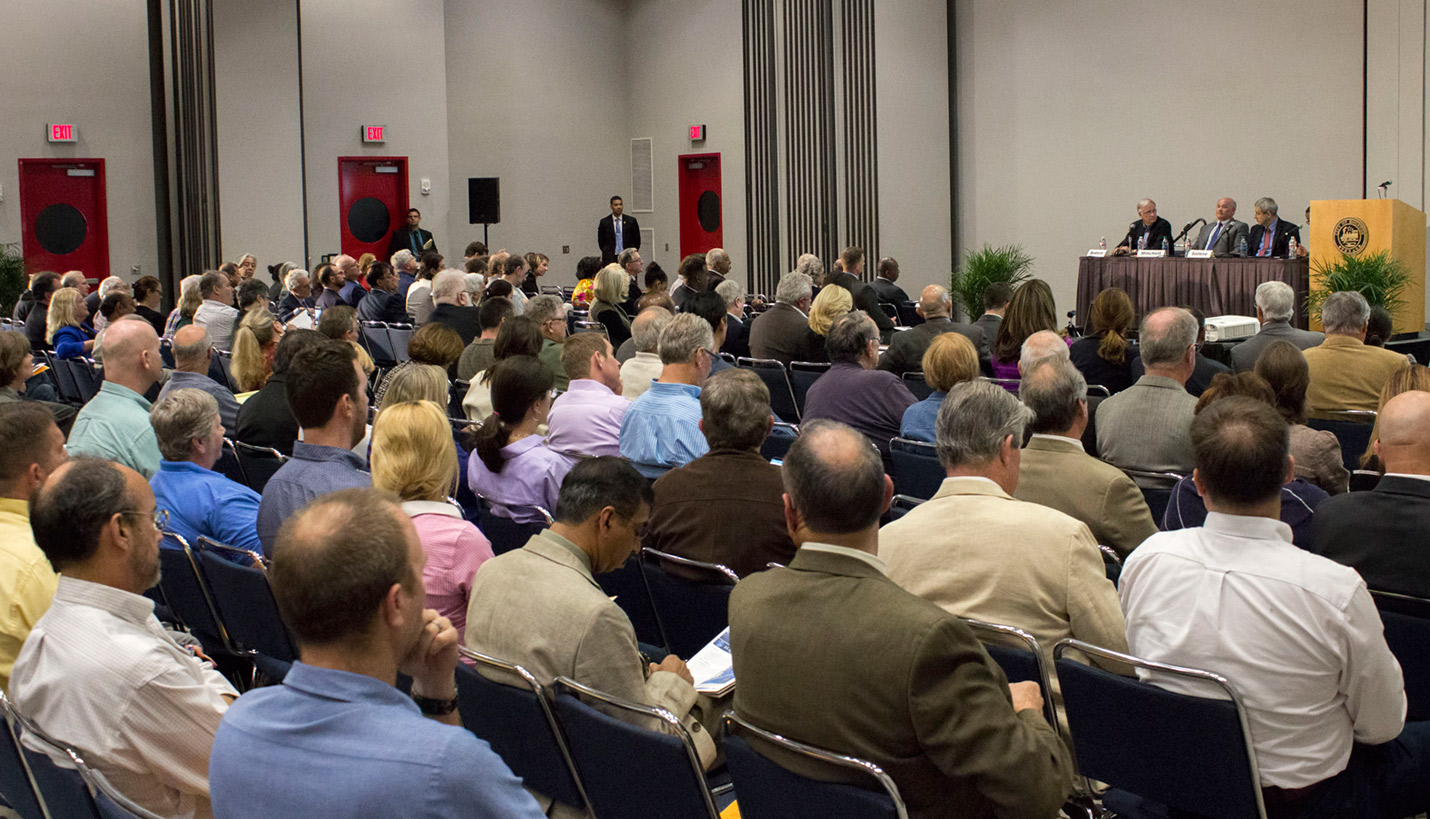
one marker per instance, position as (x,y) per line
(64,221)
(372,197)
(702,222)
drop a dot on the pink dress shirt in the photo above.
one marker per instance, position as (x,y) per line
(455,549)
(586,419)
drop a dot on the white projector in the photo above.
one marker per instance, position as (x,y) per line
(1231,328)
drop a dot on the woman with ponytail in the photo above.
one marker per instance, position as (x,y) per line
(510,465)
(254,343)
(1104,356)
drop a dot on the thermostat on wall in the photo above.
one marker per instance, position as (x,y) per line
(374,133)
(61,133)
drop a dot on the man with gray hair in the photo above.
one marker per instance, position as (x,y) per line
(727,505)
(1270,236)
(405,263)
(299,285)
(717,265)
(200,501)
(907,348)
(1149,232)
(852,391)
(737,332)
(1146,427)
(779,332)
(1041,346)
(76,280)
(1226,234)
(1056,470)
(453,305)
(638,371)
(550,315)
(811,266)
(1347,373)
(109,285)
(193,354)
(1275,307)
(976,551)
(661,430)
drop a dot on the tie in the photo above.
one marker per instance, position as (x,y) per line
(1265,249)
(1211,240)
(416,237)
(620,243)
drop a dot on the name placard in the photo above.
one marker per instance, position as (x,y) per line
(1097,253)
(1151,254)
(1199,254)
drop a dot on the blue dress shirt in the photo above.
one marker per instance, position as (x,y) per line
(339,744)
(312,471)
(203,502)
(661,430)
(920,419)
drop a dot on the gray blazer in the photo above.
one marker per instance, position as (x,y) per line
(988,323)
(1244,355)
(1226,241)
(1148,427)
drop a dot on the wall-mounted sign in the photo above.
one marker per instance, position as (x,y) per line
(374,133)
(61,133)
(697,133)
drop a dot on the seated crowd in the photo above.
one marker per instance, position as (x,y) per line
(385,529)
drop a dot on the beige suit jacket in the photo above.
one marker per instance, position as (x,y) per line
(1058,474)
(1348,375)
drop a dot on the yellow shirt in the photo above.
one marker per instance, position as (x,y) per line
(27,583)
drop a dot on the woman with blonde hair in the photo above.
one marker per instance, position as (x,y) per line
(610,291)
(1104,356)
(419,382)
(414,457)
(828,306)
(254,343)
(950,359)
(364,262)
(1031,310)
(64,325)
(1406,379)
(190,298)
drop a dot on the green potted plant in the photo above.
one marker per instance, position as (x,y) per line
(980,268)
(1377,276)
(12,277)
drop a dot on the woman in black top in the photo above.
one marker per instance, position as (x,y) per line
(1104,357)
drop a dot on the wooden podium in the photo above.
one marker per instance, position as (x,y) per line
(1357,227)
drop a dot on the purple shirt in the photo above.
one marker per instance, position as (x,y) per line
(586,419)
(871,401)
(455,550)
(531,475)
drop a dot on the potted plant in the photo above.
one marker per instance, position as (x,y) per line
(1377,276)
(12,277)
(980,268)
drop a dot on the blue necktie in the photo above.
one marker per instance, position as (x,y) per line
(620,239)
(1211,240)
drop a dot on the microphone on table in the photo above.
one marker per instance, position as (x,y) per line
(1188,229)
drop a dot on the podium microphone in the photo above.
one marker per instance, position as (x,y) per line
(1382,186)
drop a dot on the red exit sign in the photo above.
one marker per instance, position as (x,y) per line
(61,133)
(697,132)
(374,133)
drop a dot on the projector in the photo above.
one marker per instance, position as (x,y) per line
(1231,328)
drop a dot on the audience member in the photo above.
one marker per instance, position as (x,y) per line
(906,349)
(717,267)
(831,653)
(737,330)
(1316,452)
(418,298)
(1144,427)
(512,269)
(884,283)
(612,285)
(852,391)
(331,280)
(827,307)
(351,273)
(550,317)
(327,395)
(1345,373)
(115,423)
(725,507)
(111,284)
(710,306)
(42,289)
(434,344)
(950,359)
(113,307)
(645,366)
(1416,377)
(193,355)
(1030,309)
(995,303)
(406,265)
(77,281)
(216,313)
(1379,327)
(17,365)
(264,418)
(478,354)
(518,336)
(97,672)
(383,302)
(779,332)
(1040,346)
(187,307)
(661,429)
(692,279)
(631,263)
(34,447)
(514,469)
(147,297)
(586,419)
(453,305)
(1275,307)
(1104,357)
(536,266)
(347,578)
(1204,369)
(811,266)
(255,341)
(65,330)
(655,280)
(199,501)
(586,269)
(300,294)
(849,277)
(1322,693)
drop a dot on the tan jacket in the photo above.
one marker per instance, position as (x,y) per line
(1348,375)
(1057,473)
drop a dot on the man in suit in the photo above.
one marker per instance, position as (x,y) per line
(832,653)
(1223,236)
(617,232)
(906,348)
(1382,533)
(454,305)
(1204,368)
(737,331)
(1275,306)
(1346,373)
(692,279)
(1149,232)
(717,267)
(865,298)
(412,237)
(1057,472)
(995,301)
(978,552)
(779,332)
(1145,426)
(383,303)
(883,284)
(1270,236)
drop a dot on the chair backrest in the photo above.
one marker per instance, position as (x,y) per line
(902,505)
(691,599)
(917,384)
(1364,480)
(62,790)
(86,377)
(228,465)
(16,788)
(802,375)
(590,327)
(909,314)
(1191,753)
(1352,429)
(108,801)
(186,591)
(916,468)
(1010,384)
(400,335)
(1099,390)
(245,603)
(224,360)
(64,379)
(782,436)
(1407,631)
(505,534)
(1020,656)
(1111,563)
(628,587)
(776,378)
(516,720)
(1417,347)
(1156,489)
(257,463)
(375,338)
(767,790)
(631,772)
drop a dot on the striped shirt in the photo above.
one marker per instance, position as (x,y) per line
(661,430)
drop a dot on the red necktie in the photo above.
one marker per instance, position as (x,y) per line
(1265,249)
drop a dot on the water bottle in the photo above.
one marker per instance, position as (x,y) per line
(1164,244)
(1293,249)
(1241,246)
(1102,243)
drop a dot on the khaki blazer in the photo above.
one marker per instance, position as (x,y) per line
(1057,473)
(832,653)
(1346,374)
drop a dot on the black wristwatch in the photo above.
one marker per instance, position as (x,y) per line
(434,708)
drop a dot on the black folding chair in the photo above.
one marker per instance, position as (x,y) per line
(590,327)
(918,385)
(257,464)
(902,505)
(1020,656)
(1157,488)
(627,586)
(782,436)
(1099,390)
(61,789)
(1364,480)
(64,380)
(1352,429)
(400,335)
(506,534)
(108,801)
(374,335)
(768,790)
(186,592)
(909,314)
(776,378)
(1407,631)
(915,468)
(1111,563)
(227,464)
(691,598)
(515,719)
(245,605)
(86,377)
(802,375)
(16,788)
(224,359)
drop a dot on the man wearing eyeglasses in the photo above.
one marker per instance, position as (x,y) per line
(549,314)
(98,673)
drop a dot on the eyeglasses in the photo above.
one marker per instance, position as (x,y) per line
(159,516)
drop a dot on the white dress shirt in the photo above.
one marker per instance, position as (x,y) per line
(217,318)
(99,674)
(1296,634)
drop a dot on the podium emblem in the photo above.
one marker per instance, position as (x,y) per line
(1351,235)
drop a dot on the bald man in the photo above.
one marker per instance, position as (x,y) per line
(907,347)
(1385,534)
(115,423)
(1225,235)
(193,354)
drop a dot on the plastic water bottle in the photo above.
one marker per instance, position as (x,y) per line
(1241,246)
(1164,244)
(1102,243)
(1292,249)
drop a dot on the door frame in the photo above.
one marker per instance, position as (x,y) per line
(102,217)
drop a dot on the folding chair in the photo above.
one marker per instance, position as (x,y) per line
(782,436)
(1157,488)
(889,310)
(245,605)
(1009,384)
(631,772)
(767,790)
(515,719)
(1020,656)
(374,335)
(627,586)
(224,359)
(506,534)
(64,380)
(1099,390)
(455,394)
(902,505)
(257,464)
(1111,563)
(108,801)
(16,787)
(691,598)
(802,375)
(61,789)
(776,378)
(590,327)
(166,352)
(917,384)
(915,467)
(1351,427)
(909,314)
(1407,631)
(400,335)
(1190,753)
(86,376)
(186,593)
(227,464)
(1364,480)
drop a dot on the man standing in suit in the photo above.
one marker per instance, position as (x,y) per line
(779,332)
(1147,233)
(907,348)
(411,237)
(1347,373)
(617,232)
(1145,426)
(737,331)
(830,652)
(1275,306)
(1223,236)
(1271,236)
(995,300)
(883,284)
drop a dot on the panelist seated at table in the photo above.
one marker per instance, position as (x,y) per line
(1147,233)
(1225,235)
(1270,236)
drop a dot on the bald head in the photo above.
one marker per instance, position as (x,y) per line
(934,302)
(131,355)
(835,480)
(192,349)
(1404,443)
(1040,346)
(646,328)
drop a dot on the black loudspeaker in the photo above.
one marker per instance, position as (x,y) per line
(483,200)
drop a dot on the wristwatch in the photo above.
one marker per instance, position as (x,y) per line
(434,708)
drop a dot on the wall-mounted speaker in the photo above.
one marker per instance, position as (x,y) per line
(483,200)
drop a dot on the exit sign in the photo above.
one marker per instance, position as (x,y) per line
(374,133)
(61,133)
(697,132)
